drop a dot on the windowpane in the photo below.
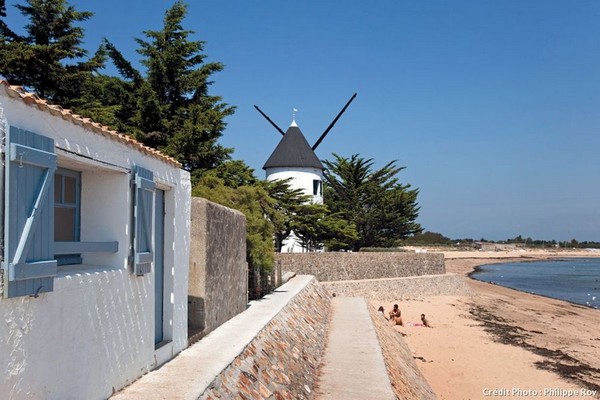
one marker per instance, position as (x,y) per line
(64,224)
(57,188)
(70,190)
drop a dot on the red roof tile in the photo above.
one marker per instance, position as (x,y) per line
(33,100)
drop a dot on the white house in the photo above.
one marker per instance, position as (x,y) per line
(294,158)
(94,258)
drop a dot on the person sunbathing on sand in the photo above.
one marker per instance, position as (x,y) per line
(382,312)
(396,316)
(425,322)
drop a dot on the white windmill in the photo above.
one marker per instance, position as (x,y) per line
(294,158)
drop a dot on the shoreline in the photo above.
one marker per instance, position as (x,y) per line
(502,337)
(477,269)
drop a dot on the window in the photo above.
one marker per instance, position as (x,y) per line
(317,187)
(42,225)
(67,206)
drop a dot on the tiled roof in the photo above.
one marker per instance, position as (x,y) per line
(293,151)
(33,100)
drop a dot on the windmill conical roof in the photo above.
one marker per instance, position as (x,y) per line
(293,151)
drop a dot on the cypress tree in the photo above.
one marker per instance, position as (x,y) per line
(187,120)
(43,60)
(382,210)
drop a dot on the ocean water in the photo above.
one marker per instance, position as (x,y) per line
(575,280)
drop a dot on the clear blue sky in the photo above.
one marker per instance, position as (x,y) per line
(492,106)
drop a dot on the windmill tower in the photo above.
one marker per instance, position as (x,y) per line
(294,158)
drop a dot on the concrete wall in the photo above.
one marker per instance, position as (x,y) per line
(94,333)
(351,266)
(405,377)
(218,282)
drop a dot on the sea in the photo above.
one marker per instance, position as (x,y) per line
(576,280)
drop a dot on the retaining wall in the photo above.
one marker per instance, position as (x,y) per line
(405,377)
(218,280)
(402,288)
(270,351)
(336,266)
(281,363)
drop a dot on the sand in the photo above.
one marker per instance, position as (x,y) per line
(501,342)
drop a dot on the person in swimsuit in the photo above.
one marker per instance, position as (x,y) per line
(425,322)
(396,316)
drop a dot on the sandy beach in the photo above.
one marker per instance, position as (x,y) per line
(502,343)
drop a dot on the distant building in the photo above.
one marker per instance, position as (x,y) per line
(294,158)
(491,246)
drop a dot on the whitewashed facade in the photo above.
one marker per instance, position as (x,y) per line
(109,302)
(309,180)
(294,159)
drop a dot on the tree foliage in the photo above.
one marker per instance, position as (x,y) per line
(254,202)
(173,110)
(428,238)
(168,106)
(287,204)
(382,209)
(317,228)
(49,59)
(312,223)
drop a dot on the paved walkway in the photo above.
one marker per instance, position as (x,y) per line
(353,366)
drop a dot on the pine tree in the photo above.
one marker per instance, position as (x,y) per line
(383,210)
(44,60)
(176,113)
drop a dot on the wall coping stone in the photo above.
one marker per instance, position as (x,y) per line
(193,370)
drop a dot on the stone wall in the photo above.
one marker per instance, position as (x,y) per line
(405,377)
(391,289)
(218,281)
(282,361)
(352,266)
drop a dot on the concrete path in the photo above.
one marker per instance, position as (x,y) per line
(353,366)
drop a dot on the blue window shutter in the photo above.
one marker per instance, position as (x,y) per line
(143,211)
(30,164)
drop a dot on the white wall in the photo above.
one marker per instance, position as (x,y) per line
(301,178)
(95,332)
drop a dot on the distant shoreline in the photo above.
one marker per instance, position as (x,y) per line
(477,269)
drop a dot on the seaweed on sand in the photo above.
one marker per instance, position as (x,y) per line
(555,361)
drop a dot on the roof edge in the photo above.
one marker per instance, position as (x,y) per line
(33,100)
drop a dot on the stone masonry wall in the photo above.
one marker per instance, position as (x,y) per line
(391,289)
(352,266)
(281,362)
(218,280)
(405,377)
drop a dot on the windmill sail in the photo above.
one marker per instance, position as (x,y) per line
(269,119)
(318,142)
